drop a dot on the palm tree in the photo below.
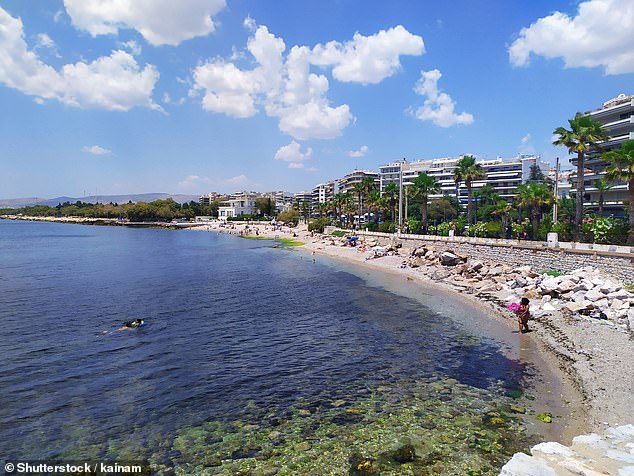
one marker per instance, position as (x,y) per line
(622,168)
(584,134)
(375,201)
(602,186)
(338,201)
(423,186)
(535,196)
(390,193)
(467,171)
(503,209)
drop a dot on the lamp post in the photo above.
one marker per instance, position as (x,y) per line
(400,195)
(556,190)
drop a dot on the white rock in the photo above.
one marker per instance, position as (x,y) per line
(552,448)
(594,295)
(548,307)
(620,294)
(597,281)
(546,298)
(523,465)
(601,304)
(565,286)
(617,304)
(549,284)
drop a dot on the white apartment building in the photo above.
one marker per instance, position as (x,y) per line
(241,203)
(504,175)
(617,118)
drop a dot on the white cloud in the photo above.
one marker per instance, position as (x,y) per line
(45,41)
(114,82)
(601,34)
(368,59)
(97,150)
(359,153)
(161,22)
(292,153)
(438,107)
(238,181)
(284,86)
(133,47)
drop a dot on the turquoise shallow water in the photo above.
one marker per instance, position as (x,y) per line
(254,360)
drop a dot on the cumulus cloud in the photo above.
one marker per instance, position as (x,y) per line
(238,181)
(438,107)
(601,34)
(359,153)
(292,153)
(161,22)
(284,87)
(114,82)
(97,150)
(368,59)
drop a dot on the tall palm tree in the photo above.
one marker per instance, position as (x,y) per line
(468,171)
(534,196)
(374,202)
(359,189)
(584,134)
(422,187)
(622,168)
(390,193)
(602,186)
(503,209)
(339,201)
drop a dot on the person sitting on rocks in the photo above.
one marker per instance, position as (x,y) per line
(523,315)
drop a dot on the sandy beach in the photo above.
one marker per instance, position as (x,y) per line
(593,360)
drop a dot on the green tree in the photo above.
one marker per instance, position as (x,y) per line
(584,134)
(535,196)
(422,187)
(468,171)
(390,193)
(503,209)
(535,174)
(443,209)
(602,186)
(265,206)
(622,168)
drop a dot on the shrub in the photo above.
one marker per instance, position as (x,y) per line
(489,229)
(338,233)
(413,225)
(387,227)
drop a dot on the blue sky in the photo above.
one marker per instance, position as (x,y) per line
(130,96)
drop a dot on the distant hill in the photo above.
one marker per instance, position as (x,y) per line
(140,197)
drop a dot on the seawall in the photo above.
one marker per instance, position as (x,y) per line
(617,261)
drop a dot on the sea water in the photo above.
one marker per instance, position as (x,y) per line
(254,360)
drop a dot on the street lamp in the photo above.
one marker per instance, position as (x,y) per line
(400,195)
(556,190)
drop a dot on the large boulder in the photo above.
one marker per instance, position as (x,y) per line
(565,286)
(594,295)
(447,258)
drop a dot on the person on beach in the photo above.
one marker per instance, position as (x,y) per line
(523,315)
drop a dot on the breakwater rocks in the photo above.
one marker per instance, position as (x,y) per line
(584,291)
(593,454)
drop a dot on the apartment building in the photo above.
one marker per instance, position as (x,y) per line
(240,203)
(617,118)
(504,175)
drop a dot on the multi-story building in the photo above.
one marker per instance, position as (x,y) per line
(617,118)
(207,199)
(504,175)
(322,193)
(241,203)
(346,184)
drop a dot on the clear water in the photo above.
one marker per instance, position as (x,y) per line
(253,360)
